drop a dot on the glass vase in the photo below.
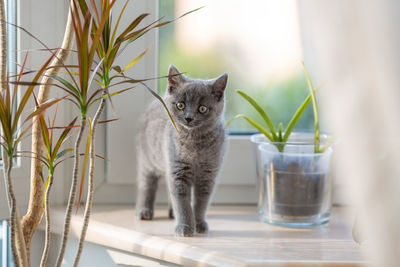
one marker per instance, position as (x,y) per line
(295,187)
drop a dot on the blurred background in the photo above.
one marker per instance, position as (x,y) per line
(258,45)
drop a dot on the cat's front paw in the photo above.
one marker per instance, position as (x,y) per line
(202,227)
(184,230)
(145,214)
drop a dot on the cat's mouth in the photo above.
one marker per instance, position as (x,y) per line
(189,125)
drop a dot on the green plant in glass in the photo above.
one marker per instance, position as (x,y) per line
(293,177)
(279,136)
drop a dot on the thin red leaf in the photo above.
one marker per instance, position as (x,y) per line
(107,121)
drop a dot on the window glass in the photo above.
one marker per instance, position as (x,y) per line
(11,12)
(5,247)
(257,42)
(1,242)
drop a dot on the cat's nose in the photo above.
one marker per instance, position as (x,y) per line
(188,119)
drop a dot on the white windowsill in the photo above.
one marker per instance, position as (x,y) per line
(236,238)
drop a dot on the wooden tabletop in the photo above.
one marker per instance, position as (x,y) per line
(236,238)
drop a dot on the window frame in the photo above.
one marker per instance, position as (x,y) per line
(237,184)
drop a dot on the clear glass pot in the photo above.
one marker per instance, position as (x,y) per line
(295,187)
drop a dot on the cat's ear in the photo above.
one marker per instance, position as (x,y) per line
(219,85)
(174,78)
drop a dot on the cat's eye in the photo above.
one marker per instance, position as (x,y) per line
(203,109)
(180,105)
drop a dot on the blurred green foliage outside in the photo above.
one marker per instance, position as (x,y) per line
(280,97)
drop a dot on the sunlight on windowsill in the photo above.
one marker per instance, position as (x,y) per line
(236,238)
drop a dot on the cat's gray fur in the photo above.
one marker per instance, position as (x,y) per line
(189,160)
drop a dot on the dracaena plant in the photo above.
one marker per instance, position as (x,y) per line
(79,90)
(53,156)
(14,126)
(280,136)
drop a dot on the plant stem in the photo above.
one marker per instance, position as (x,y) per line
(35,209)
(11,205)
(89,199)
(72,193)
(47,233)
(17,240)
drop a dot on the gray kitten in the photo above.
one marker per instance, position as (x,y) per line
(189,159)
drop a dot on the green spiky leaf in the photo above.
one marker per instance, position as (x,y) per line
(315,111)
(262,113)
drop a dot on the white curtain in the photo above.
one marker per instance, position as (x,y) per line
(352,47)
